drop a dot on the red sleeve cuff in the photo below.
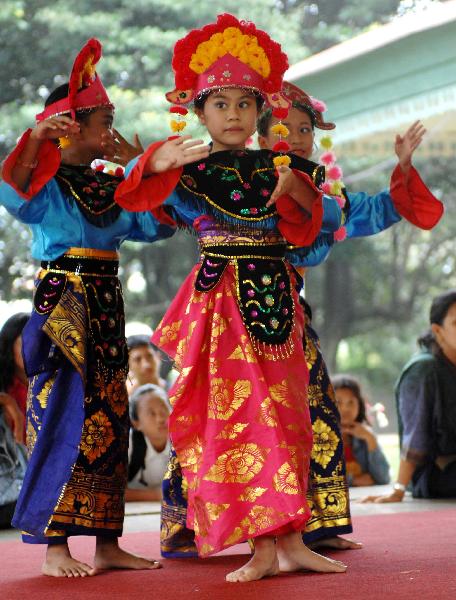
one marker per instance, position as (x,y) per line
(141,191)
(413,200)
(48,158)
(297,226)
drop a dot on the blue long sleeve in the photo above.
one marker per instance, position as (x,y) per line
(368,215)
(57,224)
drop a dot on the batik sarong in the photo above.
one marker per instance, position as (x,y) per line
(328,495)
(77,433)
(240,422)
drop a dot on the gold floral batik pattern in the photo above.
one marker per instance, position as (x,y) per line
(93,498)
(328,494)
(240,424)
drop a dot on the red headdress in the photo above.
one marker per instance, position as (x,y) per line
(316,107)
(85,88)
(228,53)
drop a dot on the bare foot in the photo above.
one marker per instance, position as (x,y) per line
(293,555)
(59,563)
(108,555)
(263,563)
(337,543)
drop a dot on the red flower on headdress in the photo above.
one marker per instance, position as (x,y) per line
(258,60)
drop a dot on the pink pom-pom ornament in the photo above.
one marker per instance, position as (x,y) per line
(340,234)
(334,173)
(328,158)
(340,201)
(318,104)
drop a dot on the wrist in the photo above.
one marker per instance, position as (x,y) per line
(399,490)
(405,165)
(35,136)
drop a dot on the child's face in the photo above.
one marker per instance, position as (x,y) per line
(92,129)
(230,118)
(348,405)
(143,364)
(301,135)
(153,414)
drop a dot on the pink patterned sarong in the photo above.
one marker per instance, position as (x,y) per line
(240,422)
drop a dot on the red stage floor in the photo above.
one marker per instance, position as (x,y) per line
(405,556)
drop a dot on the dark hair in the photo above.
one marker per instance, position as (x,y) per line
(264,119)
(61,92)
(440,306)
(147,388)
(138,341)
(9,333)
(350,383)
(200,100)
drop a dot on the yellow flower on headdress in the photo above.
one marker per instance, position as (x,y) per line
(280,129)
(282,160)
(231,41)
(178,125)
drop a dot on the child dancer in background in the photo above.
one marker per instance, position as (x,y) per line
(362,215)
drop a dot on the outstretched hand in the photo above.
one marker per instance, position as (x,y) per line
(298,189)
(118,150)
(394,496)
(406,145)
(284,184)
(55,127)
(178,152)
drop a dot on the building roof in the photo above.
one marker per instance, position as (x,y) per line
(380,35)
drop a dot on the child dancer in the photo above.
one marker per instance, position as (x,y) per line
(240,422)
(74,344)
(362,215)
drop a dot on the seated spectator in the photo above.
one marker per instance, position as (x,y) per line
(426,402)
(365,461)
(13,460)
(143,363)
(13,380)
(13,400)
(149,449)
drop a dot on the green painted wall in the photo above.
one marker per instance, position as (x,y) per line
(409,67)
